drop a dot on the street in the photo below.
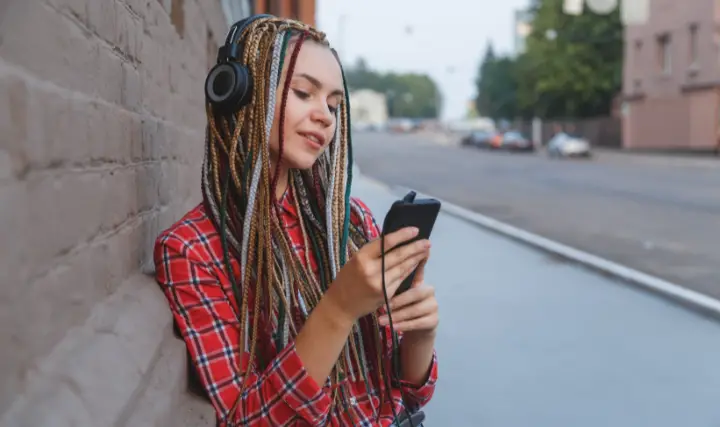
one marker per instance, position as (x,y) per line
(526,340)
(658,215)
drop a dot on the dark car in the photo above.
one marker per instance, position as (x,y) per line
(481,139)
(516,141)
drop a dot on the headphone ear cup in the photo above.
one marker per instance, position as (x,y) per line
(229,86)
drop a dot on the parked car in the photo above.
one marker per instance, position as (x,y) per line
(566,145)
(480,139)
(516,141)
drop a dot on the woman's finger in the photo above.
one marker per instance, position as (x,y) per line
(421,309)
(412,296)
(424,323)
(420,275)
(392,240)
(400,255)
(394,276)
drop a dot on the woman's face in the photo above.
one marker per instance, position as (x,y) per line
(315,93)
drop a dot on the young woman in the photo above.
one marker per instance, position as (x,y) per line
(275,279)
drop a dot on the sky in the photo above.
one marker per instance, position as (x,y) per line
(445,42)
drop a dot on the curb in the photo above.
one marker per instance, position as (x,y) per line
(687,298)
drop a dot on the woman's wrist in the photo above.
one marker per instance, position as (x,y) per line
(332,311)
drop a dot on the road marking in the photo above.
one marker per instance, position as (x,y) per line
(696,301)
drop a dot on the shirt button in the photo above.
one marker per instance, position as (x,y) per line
(353,401)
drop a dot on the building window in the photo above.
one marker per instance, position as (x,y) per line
(692,51)
(636,63)
(664,54)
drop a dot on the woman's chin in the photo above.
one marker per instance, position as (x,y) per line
(302,161)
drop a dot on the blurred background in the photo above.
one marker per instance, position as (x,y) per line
(587,128)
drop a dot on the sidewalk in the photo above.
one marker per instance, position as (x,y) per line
(659,158)
(527,339)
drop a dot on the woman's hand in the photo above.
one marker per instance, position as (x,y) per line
(357,289)
(414,311)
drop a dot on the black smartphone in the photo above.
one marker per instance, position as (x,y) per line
(411,212)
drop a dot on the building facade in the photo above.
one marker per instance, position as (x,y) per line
(368,109)
(672,77)
(302,10)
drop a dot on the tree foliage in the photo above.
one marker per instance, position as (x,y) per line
(572,67)
(409,95)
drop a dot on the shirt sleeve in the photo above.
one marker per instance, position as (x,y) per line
(210,328)
(416,395)
(363,217)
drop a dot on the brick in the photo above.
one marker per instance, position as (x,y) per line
(134,34)
(138,7)
(102,19)
(124,248)
(157,140)
(150,230)
(126,332)
(148,193)
(15,252)
(64,209)
(169,187)
(68,130)
(131,88)
(70,50)
(55,303)
(110,72)
(76,8)
(157,23)
(62,126)
(123,26)
(64,297)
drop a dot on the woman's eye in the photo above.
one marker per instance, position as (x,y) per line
(300,94)
(333,108)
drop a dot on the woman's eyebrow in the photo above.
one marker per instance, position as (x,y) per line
(318,84)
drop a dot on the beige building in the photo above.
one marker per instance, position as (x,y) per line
(672,77)
(368,109)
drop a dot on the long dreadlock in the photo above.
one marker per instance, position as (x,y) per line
(274,286)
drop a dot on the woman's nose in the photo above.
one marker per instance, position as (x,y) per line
(323,115)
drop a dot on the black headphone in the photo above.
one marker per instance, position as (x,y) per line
(229,85)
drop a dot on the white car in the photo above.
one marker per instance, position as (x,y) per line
(564,145)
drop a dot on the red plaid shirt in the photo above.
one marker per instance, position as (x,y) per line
(189,264)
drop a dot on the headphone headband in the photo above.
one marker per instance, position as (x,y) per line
(231,49)
(229,84)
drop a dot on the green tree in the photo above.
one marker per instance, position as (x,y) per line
(409,95)
(497,86)
(571,68)
(573,64)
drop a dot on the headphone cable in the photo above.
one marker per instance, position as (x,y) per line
(395,350)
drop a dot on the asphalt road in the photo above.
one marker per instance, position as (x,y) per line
(656,214)
(528,340)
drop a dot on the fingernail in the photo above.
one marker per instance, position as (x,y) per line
(414,231)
